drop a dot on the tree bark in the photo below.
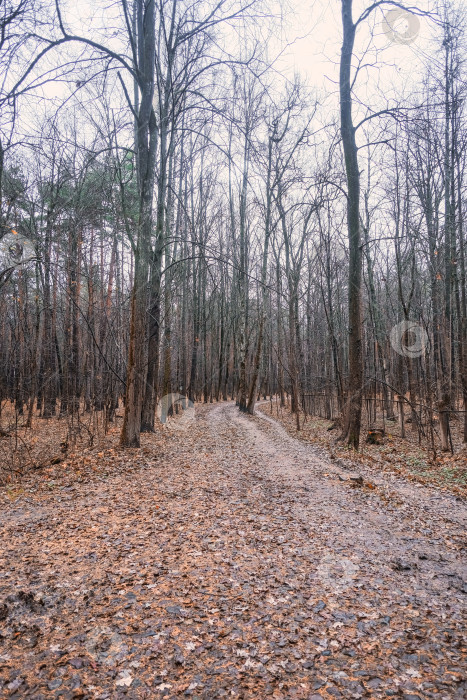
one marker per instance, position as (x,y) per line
(145,168)
(353,409)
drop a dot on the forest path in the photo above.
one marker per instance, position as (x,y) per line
(384,518)
(240,563)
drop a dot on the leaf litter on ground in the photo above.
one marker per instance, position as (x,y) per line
(229,560)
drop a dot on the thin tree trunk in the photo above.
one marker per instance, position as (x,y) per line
(353,410)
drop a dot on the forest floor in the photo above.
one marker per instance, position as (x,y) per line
(229,559)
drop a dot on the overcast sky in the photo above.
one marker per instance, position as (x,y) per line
(310,38)
(315,52)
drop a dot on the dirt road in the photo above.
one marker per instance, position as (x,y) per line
(241,563)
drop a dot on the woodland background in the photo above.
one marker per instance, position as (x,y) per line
(175,219)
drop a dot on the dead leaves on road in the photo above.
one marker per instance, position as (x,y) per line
(185,569)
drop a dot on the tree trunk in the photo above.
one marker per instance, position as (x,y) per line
(353,409)
(145,168)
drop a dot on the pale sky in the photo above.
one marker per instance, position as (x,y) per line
(316,54)
(313,31)
(310,37)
